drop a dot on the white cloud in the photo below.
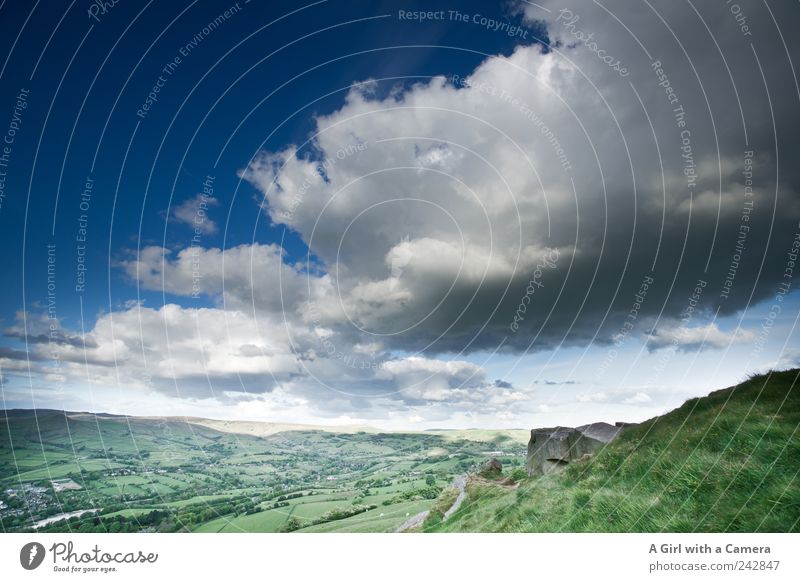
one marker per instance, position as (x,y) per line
(681,337)
(193,212)
(638,398)
(256,363)
(591,397)
(246,277)
(197,351)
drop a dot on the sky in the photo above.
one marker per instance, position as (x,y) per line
(401,214)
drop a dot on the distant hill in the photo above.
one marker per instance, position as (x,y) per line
(727,462)
(261,428)
(253,428)
(483,434)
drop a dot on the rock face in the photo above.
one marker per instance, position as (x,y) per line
(552,449)
(491,467)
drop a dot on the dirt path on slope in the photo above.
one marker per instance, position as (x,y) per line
(460,484)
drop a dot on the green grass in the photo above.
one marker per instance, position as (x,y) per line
(213,526)
(131,512)
(380,519)
(727,462)
(194,500)
(308,510)
(264,521)
(443,503)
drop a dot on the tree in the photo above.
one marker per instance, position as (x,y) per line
(291,524)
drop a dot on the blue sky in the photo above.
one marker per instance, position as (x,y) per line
(79,126)
(332,212)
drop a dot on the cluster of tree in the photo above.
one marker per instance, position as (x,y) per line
(293,524)
(12,502)
(430,492)
(14,520)
(466,465)
(113,524)
(367,483)
(198,513)
(21,510)
(292,496)
(162,520)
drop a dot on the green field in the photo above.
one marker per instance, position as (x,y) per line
(375,520)
(265,521)
(172,475)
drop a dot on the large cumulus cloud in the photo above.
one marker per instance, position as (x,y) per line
(467,182)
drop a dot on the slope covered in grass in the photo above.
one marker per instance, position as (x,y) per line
(725,462)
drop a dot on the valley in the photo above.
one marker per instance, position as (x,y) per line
(64,471)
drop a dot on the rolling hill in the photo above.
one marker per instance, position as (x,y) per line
(78,471)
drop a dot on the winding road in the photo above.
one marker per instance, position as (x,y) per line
(460,484)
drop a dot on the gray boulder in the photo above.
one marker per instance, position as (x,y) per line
(492,467)
(552,449)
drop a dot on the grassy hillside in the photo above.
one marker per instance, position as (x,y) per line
(727,462)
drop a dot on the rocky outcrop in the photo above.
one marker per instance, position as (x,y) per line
(491,467)
(552,449)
